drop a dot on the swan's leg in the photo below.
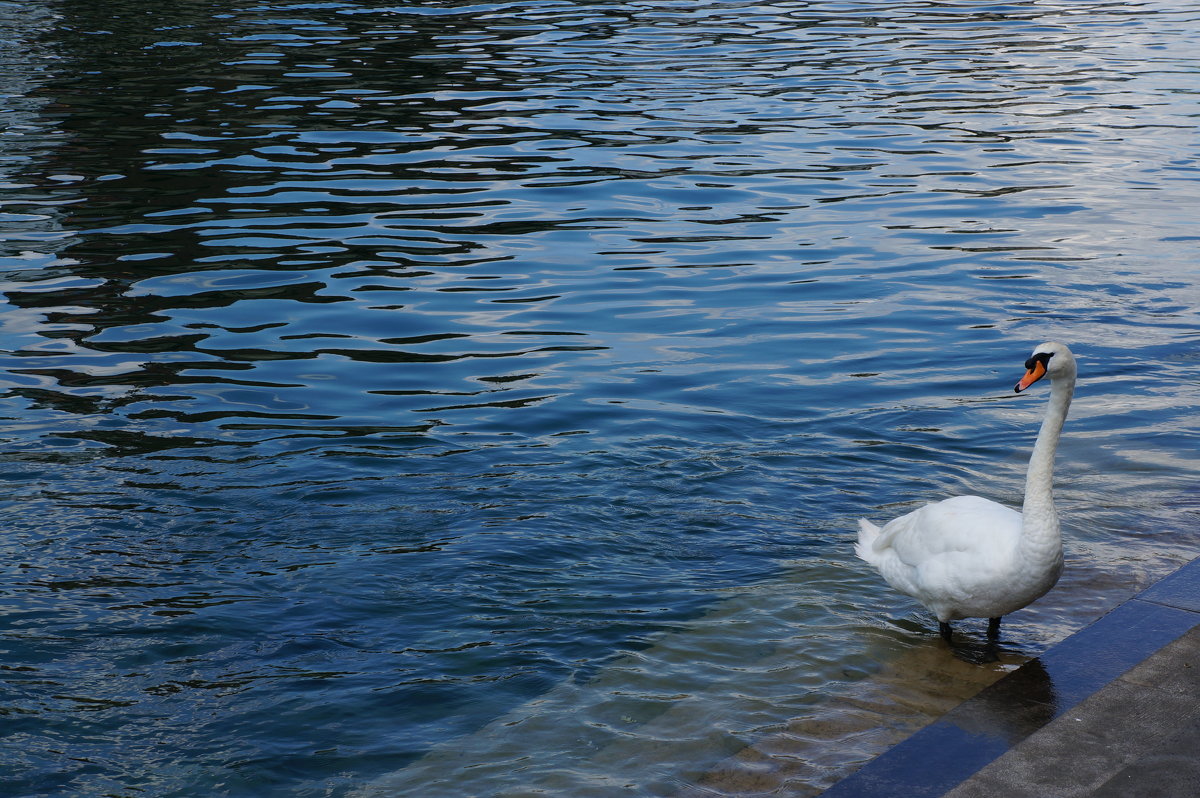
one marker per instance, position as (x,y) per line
(947,632)
(993,628)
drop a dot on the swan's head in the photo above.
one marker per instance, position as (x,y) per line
(1050,358)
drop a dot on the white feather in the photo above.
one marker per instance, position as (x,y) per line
(969,557)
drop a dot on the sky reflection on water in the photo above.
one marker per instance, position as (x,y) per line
(373,371)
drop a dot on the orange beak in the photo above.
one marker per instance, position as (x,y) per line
(1033,375)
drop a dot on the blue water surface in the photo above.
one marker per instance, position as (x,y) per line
(374,371)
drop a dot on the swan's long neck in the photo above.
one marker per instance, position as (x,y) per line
(1040,538)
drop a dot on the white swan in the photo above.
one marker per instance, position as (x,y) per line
(969,557)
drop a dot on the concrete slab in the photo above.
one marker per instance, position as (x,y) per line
(1110,739)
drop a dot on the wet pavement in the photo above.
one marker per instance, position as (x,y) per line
(1111,711)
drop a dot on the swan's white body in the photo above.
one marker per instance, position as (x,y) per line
(969,557)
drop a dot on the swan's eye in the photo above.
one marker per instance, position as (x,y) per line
(1040,357)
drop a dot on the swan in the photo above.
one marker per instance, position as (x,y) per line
(969,557)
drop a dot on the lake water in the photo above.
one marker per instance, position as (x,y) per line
(456,398)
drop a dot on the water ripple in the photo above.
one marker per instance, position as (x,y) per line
(508,376)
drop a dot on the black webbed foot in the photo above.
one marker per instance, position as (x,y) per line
(971,651)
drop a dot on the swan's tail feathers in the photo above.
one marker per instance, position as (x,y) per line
(867,534)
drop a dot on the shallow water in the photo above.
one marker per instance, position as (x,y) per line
(479,397)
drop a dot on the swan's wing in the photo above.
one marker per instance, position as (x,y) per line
(956,556)
(963,525)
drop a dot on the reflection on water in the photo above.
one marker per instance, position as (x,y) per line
(378,375)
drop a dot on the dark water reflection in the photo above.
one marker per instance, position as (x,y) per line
(372,369)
